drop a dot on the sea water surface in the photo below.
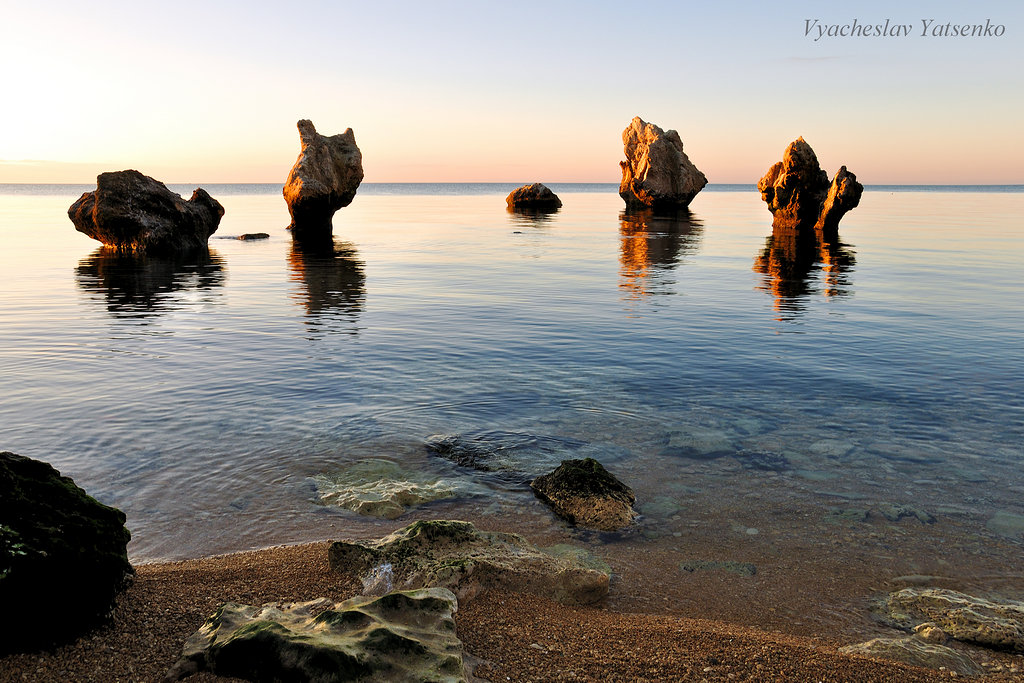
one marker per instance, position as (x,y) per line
(836,414)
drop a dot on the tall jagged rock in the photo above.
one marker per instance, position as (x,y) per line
(799,194)
(656,172)
(324,179)
(132,212)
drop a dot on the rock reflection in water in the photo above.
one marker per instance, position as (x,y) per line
(142,286)
(791,260)
(333,282)
(652,245)
(531,218)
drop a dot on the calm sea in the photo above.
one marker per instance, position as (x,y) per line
(854,411)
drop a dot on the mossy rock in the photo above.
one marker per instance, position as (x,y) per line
(586,494)
(61,552)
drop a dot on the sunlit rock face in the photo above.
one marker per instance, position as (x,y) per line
(535,196)
(132,212)
(799,194)
(324,179)
(657,173)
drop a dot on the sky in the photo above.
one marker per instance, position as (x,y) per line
(210,91)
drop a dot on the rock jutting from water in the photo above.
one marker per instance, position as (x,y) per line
(401,636)
(380,488)
(990,623)
(132,212)
(799,194)
(324,179)
(63,557)
(657,173)
(587,495)
(536,196)
(458,556)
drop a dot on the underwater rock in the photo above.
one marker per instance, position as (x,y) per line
(63,556)
(536,196)
(325,178)
(133,212)
(799,194)
(895,513)
(379,488)
(513,457)
(916,652)
(587,495)
(998,625)
(741,568)
(762,460)
(401,636)
(657,173)
(1006,524)
(700,443)
(458,556)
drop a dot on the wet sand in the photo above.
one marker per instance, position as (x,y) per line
(507,636)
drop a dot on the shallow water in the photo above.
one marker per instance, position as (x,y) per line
(757,395)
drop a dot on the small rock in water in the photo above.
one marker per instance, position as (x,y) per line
(895,513)
(380,488)
(535,196)
(1007,524)
(914,651)
(762,460)
(741,568)
(254,236)
(586,494)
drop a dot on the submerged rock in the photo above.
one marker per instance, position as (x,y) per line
(536,196)
(586,494)
(63,557)
(402,636)
(657,173)
(731,566)
(916,652)
(998,625)
(513,457)
(799,194)
(379,488)
(456,555)
(133,212)
(324,179)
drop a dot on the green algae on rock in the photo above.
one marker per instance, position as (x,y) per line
(56,543)
(401,636)
(586,494)
(457,555)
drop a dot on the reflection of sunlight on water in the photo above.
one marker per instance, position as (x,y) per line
(651,245)
(333,282)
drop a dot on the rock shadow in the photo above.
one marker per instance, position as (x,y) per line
(137,285)
(333,281)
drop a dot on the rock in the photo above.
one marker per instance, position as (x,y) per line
(895,513)
(62,555)
(379,488)
(741,568)
(586,494)
(536,196)
(699,443)
(133,212)
(324,179)
(458,556)
(998,625)
(657,173)
(916,652)
(401,636)
(931,633)
(513,457)
(254,236)
(799,194)
(762,460)
(1006,524)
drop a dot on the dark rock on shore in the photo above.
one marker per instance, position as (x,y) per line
(401,636)
(535,196)
(324,179)
(657,173)
(587,495)
(799,195)
(63,557)
(130,211)
(458,556)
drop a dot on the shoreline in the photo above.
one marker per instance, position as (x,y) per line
(506,636)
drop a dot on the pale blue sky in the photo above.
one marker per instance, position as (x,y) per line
(462,91)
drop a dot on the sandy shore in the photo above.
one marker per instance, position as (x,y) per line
(508,636)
